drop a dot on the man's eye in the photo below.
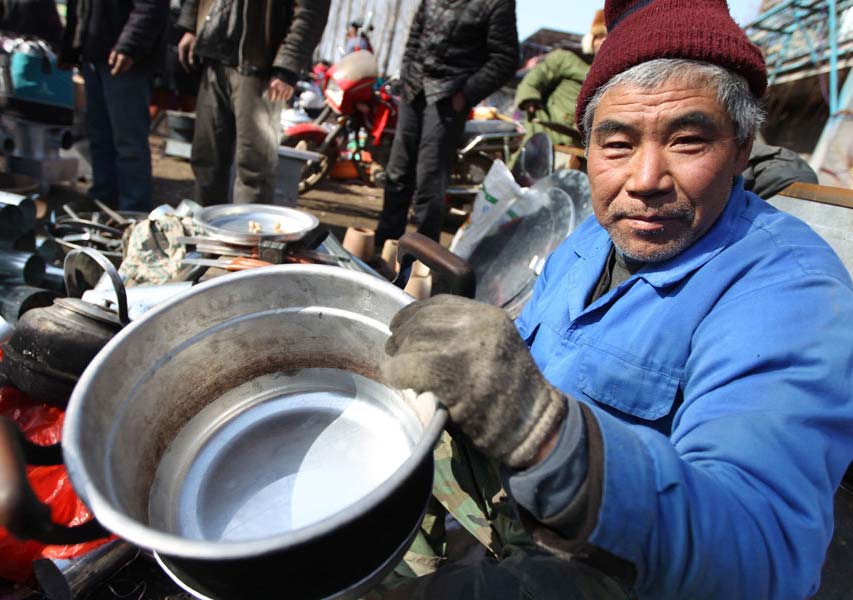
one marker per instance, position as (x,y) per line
(690,140)
(617,145)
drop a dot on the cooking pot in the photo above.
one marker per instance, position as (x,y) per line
(242,432)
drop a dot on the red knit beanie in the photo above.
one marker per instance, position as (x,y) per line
(643,30)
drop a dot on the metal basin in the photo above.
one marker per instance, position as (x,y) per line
(241,431)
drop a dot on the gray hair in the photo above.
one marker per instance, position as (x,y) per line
(744,109)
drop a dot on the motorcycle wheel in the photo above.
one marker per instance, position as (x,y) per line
(471,170)
(313,173)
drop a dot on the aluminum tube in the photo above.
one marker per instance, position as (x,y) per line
(16,300)
(26,206)
(6,331)
(21,268)
(76,578)
(54,280)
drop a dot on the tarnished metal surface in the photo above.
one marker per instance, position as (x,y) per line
(832,221)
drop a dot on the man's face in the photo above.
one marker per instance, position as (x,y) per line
(661,164)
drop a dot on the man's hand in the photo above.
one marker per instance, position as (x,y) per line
(530,107)
(459,102)
(186,50)
(471,357)
(279,90)
(119,63)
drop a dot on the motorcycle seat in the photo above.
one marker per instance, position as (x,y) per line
(474,128)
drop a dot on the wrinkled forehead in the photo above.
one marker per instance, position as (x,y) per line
(675,104)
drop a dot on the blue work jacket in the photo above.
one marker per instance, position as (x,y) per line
(721,383)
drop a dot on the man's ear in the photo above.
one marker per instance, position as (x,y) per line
(742,158)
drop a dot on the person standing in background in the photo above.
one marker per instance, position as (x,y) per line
(549,91)
(116,43)
(251,53)
(457,54)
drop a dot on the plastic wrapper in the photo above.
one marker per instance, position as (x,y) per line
(499,200)
(41,424)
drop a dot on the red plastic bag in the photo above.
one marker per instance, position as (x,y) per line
(41,424)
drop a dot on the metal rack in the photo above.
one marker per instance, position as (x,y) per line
(802,38)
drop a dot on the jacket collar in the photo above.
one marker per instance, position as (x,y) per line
(669,272)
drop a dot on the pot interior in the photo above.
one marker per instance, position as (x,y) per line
(280,452)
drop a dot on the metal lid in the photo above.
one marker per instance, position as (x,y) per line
(251,223)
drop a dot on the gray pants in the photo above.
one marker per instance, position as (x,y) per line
(234,122)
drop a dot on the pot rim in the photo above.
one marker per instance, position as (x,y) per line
(145,536)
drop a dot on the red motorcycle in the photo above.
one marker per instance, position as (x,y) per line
(365,122)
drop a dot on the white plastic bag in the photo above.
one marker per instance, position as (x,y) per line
(496,203)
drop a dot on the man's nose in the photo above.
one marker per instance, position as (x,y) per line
(650,173)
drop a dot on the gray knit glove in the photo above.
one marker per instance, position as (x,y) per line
(471,357)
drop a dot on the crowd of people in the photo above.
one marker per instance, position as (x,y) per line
(671,414)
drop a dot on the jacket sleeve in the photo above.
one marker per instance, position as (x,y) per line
(738,501)
(188,17)
(309,21)
(534,85)
(144,28)
(502,46)
(413,43)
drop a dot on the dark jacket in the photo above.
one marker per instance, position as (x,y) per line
(460,45)
(772,168)
(277,34)
(32,17)
(133,27)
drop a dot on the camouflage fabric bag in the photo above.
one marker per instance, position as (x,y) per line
(152,254)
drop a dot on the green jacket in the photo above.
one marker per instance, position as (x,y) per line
(555,83)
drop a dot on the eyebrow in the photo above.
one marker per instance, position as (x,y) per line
(693,119)
(610,126)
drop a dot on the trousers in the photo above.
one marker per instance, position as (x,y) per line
(235,124)
(418,170)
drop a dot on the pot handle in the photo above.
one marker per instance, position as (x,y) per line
(455,273)
(118,285)
(20,511)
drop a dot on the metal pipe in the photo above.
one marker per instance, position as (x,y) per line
(21,267)
(832,25)
(26,207)
(54,280)
(6,330)
(76,578)
(16,300)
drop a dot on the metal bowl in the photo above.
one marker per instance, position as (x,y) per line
(243,428)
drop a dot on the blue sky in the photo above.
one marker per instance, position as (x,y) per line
(577,16)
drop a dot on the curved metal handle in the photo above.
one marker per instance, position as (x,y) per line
(73,289)
(20,511)
(454,273)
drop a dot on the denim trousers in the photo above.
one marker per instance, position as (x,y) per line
(118,121)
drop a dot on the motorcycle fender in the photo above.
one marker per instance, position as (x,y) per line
(307,130)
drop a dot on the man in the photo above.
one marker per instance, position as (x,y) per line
(457,54)
(116,43)
(251,53)
(673,412)
(549,91)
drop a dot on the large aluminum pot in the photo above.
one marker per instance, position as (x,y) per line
(242,433)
